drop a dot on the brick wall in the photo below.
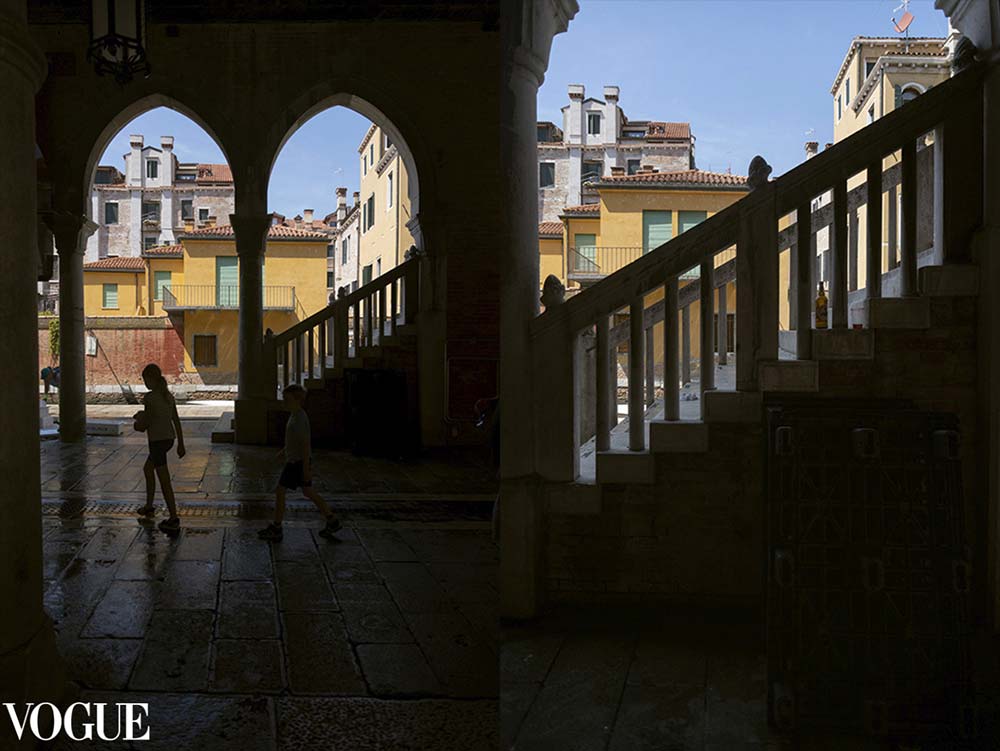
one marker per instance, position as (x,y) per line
(129,345)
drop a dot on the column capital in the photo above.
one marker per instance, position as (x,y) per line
(69,229)
(19,50)
(250,231)
(540,21)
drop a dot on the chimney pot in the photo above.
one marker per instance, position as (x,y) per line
(811,148)
(167,142)
(307,215)
(357,197)
(341,192)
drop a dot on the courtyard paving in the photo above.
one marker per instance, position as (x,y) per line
(383,639)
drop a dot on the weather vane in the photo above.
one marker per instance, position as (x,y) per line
(903,24)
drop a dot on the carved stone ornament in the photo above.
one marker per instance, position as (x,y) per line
(553,292)
(758,173)
(413,252)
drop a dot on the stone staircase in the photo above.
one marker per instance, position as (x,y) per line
(674,508)
(370,331)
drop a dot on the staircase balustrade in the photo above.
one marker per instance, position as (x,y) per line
(883,154)
(332,337)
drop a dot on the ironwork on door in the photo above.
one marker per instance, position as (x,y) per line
(868,573)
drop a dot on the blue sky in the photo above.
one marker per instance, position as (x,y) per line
(751,76)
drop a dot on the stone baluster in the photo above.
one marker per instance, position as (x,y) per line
(840,252)
(908,254)
(671,391)
(636,364)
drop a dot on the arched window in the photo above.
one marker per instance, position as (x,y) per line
(908,93)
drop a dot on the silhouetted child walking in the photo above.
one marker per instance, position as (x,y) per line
(297,472)
(161,423)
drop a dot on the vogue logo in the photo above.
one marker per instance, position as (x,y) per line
(81,720)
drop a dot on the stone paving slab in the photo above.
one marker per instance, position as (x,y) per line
(217,619)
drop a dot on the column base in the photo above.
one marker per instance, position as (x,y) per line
(33,672)
(250,419)
(521,516)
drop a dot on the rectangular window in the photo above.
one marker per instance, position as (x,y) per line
(371,154)
(689,219)
(840,107)
(546,174)
(364,165)
(111,213)
(227,281)
(109,297)
(330,250)
(203,215)
(632,166)
(187,209)
(847,91)
(366,274)
(591,171)
(161,281)
(585,259)
(388,193)
(378,267)
(593,123)
(371,211)
(543,133)
(149,241)
(205,352)
(343,251)
(364,217)
(869,67)
(152,168)
(871,114)
(657,228)
(150,211)
(329,280)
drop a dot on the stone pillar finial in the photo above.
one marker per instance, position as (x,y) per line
(553,292)
(413,252)
(758,173)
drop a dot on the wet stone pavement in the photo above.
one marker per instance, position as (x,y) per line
(383,639)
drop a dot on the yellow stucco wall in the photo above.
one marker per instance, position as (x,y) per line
(224,324)
(389,239)
(550,261)
(621,210)
(176,268)
(131,292)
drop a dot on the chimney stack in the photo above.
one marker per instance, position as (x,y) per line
(341,204)
(134,168)
(307,216)
(357,198)
(812,147)
(617,171)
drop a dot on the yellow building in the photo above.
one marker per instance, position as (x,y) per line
(634,215)
(385,206)
(196,285)
(877,76)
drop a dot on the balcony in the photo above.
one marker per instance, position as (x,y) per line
(590,264)
(222,297)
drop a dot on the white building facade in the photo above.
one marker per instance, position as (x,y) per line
(154,199)
(343,263)
(596,136)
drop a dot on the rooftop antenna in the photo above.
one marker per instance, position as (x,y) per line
(902,26)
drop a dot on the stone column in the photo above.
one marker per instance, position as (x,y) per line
(250,231)
(527,29)
(30,669)
(71,232)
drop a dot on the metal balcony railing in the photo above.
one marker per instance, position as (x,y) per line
(222,297)
(599,261)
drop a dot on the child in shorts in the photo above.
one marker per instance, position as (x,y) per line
(297,472)
(161,423)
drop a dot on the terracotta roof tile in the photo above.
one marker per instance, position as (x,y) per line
(550,229)
(274,232)
(164,251)
(669,131)
(214,173)
(116,263)
(589,208)
(683,178)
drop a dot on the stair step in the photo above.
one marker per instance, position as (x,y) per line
(573,498)
(224,430)
(678,437)
(733,406)
(953,280)
(626,467)
(899,313)
(843,344)
(789,375)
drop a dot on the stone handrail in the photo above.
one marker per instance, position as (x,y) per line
(952,111)
(340,331)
